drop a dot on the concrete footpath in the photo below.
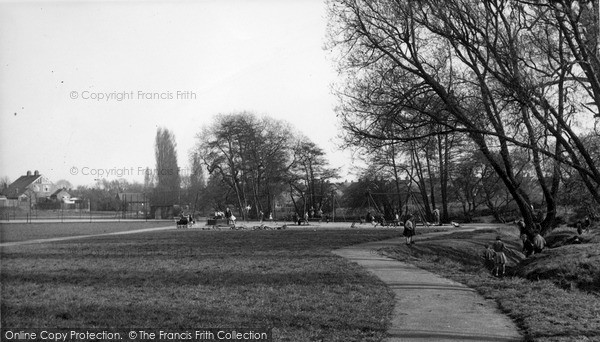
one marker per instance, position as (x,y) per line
(429,307)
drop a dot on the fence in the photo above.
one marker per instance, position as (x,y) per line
(69,215)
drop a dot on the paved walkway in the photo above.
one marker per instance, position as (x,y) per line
(429,307)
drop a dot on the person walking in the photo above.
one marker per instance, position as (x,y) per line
(409,230)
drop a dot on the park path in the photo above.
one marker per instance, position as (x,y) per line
(429,307)
(75,237)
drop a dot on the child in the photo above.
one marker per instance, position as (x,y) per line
(528,248)
(409,230)
(489,257)
(579,227)
(586,224)
(500,258)
(539,243)
(436,217)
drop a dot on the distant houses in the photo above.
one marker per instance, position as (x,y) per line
(34,191)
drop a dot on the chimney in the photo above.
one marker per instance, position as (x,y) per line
(28,173)
(36,173)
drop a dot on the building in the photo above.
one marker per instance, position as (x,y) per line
(28,190)
(135,202)
(61,195)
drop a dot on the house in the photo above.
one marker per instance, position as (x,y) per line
(62,196)
(28,190)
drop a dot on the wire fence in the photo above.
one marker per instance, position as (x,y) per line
(71,215)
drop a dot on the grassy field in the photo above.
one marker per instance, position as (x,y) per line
(286,280)
(553,296)
(12,232)
(181,279)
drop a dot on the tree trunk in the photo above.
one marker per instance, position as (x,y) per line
(293,200)
(550,202)
(512,187)
(444,159)
(430,175)
(396,179)
(421,185)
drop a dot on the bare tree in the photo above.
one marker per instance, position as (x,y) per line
(4,182)
(63,184)
(310,175)
(251,157)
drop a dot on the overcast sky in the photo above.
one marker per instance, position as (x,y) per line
(207,57)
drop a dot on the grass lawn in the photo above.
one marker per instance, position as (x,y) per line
(553,296)
(12,232)
(183,279)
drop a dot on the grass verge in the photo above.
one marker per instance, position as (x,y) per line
(184,279)
(544,309)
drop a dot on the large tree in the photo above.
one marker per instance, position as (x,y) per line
(168,181)
(251,157)
(310,177)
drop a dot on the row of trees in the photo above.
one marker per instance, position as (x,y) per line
(251,163)
(255,162)
(463,187)
(509,80)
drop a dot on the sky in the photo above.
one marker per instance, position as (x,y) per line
(84,85)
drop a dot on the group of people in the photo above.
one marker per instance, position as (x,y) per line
(185,220)
(533,241)
(380,219)
(299,219)
(494,254)
(226,215)
(495,257)
(375,220)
